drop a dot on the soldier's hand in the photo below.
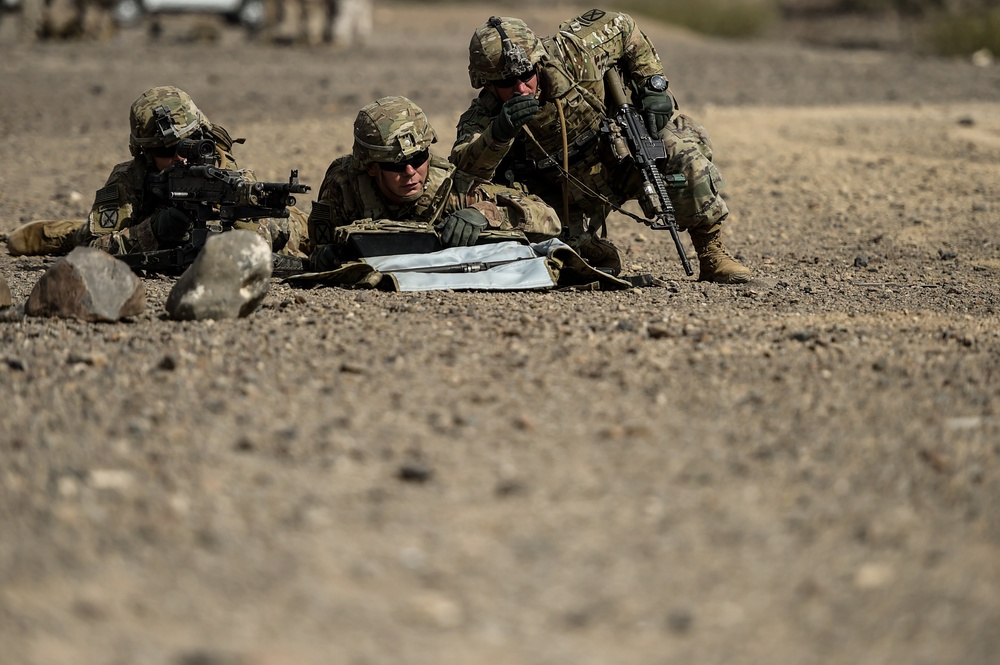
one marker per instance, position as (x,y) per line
(171,226)
(657,109)
(515,113)
(323,258)
(461,228)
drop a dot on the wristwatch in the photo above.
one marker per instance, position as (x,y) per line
(656,83)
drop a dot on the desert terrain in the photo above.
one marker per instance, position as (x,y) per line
(804,469)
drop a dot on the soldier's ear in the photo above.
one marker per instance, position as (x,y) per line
(373,170)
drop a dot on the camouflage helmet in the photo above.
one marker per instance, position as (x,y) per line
(390,129)
(501,48)
(161,117)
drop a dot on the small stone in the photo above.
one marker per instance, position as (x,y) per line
(659,331)
(110,479)
(982,58)
(415,472)
(873,576)
(5,297)
(436,610)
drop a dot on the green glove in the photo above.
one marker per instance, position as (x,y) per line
(461,228)
(323,258)
(514,114)
(171,226)
(657,109)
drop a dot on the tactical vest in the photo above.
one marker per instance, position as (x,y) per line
(427,208)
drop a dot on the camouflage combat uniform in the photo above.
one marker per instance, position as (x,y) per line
(349,194)
(393,129)
(570,68)
(120,219)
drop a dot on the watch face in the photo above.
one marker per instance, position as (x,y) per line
(657,83)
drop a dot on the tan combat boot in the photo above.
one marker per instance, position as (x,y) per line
(42,238)
(717,264)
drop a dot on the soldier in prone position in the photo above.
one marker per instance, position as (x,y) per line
(513,131)
(392,176)
(126,218)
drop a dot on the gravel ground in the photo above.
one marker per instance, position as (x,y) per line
(804,469)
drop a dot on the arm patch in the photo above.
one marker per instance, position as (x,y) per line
(106,195)
(591,17)
(321,223)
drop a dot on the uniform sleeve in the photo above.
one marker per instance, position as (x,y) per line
(331,207)
(508,209)
(116,224)
(476,152)
(606,39)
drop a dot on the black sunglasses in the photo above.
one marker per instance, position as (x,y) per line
(398,167)
(164,152)
(513,80)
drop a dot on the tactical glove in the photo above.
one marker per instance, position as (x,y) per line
(514,114)
(171,225)
(657,109)
(461,228)
(323,258)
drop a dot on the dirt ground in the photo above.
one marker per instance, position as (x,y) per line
(804,469)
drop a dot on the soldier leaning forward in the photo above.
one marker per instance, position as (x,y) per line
(126,218)
(391,177)
(514,130)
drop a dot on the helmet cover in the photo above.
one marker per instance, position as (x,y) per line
(390,129)
(501,48)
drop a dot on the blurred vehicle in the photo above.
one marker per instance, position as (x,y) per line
(248,13)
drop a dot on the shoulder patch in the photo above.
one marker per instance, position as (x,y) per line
(591,17)
(107,202)
(109,218)
(321,222)
(106,195)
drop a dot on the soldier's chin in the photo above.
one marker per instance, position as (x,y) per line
(410,198)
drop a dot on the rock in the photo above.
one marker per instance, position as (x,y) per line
(5,297)
(982,58)
(873,575)
(229,279)
(90,285)
(415,472)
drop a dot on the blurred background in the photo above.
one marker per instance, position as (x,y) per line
(932,27)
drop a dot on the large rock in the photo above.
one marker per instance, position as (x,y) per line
(87,284)
(229,279)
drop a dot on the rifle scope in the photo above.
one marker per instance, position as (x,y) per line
(197,151)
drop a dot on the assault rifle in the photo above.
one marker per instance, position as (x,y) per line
(208,194)
(631,141)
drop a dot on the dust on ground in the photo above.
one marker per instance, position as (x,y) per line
(800,470)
